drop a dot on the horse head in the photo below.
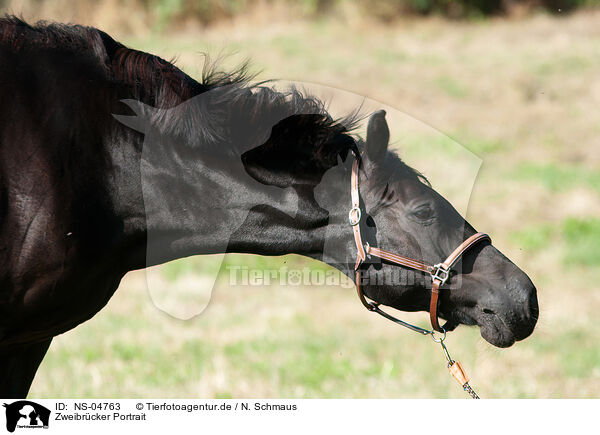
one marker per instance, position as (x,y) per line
(402,213)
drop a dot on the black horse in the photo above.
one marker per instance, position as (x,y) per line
(187,168)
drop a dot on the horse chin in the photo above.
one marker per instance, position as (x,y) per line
(494,333)
(497,334)
(491,327)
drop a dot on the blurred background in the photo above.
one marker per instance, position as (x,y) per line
(517,83)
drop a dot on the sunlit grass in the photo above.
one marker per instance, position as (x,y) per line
(564,64)
(583,241)
(452,87)
(580,355)
(577,239)
(559,177)
(534,239)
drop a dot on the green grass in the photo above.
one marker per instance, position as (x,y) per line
(566,64)
(484,147)
(210,265)
(559,178)
(579,355)
(323,363)
(535,238)
(419,145)
(387,56)
(290,45)
(294,359)
(577,239)
(452,87)
(150,363)
(582,237)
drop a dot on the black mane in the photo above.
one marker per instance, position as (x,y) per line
(160,84)
(241,115)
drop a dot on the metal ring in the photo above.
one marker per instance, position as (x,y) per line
(438,340)
(354,216)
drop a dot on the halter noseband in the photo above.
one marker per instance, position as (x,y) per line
(439,272)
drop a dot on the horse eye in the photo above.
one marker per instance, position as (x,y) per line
(424,212)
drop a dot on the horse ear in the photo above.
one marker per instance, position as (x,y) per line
(378,136)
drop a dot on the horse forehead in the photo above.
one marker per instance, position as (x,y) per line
(403,185)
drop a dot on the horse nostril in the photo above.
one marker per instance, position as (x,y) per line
(533,304)
(488,311)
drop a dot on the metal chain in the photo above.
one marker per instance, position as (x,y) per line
(470,391)
(462,378)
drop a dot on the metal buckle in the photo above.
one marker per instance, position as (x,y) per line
(440,273)
(367,248)
(354,216)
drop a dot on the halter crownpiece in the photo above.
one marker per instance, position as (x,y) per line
(439,272)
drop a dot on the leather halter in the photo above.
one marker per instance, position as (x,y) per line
(439,272)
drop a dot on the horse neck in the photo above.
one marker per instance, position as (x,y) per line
(208,204)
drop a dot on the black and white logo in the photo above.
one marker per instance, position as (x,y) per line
(25,414)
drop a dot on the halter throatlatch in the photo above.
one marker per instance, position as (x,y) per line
(439,275)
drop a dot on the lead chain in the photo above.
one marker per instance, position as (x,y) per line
(457,371)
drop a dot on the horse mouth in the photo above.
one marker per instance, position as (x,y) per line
(504,316)
(492,328)
(496,332)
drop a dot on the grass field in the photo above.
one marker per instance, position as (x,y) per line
(521,94)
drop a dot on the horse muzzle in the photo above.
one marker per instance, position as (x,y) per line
(505,313)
